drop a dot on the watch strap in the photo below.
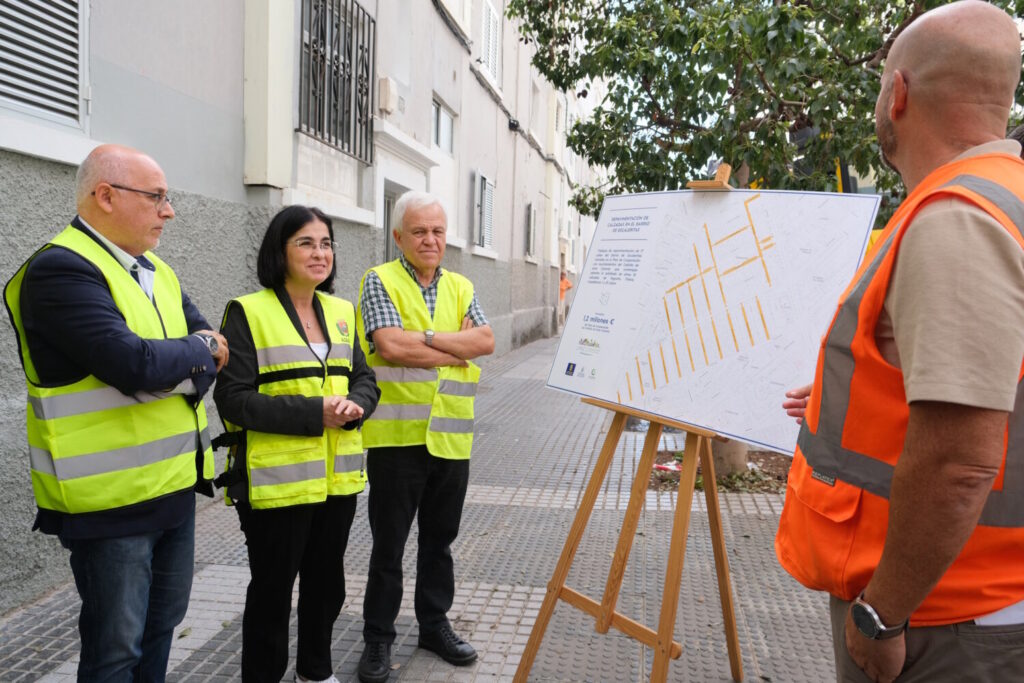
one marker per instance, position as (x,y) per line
(881,631)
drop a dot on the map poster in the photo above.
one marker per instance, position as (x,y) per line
(705,307)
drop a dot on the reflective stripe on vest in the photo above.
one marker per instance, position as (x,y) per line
(822,450)
(284,470)
(90,401)
(291,354)
(89,464)
(92,448)
(431,406)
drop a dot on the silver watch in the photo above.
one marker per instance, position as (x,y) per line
(428,337)
(867,621)
(211,343)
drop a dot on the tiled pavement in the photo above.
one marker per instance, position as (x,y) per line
(531,460)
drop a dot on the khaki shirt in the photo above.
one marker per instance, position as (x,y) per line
(953,319)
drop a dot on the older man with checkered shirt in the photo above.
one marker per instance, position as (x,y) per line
(421,326)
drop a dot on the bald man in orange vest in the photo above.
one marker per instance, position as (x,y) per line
(905,500)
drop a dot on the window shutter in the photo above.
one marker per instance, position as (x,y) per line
(491,39)
(39,51)
(488,214)
(531,230)
(495,41)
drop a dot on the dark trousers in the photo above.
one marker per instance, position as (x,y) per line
(408,482)
(304,540)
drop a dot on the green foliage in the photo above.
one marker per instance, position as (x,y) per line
(691,80)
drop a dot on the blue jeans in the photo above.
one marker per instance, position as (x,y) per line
(134,592)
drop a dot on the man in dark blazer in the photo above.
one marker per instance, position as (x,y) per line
(116,362)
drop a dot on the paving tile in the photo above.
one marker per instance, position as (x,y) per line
(533,454)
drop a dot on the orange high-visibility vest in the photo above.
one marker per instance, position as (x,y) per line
(836,512)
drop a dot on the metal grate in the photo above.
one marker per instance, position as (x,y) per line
(338,53)
(39,55)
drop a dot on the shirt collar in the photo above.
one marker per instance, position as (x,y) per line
(412,272)
(127,261)
(1011,147)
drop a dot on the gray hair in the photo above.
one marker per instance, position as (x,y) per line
(413,199)
(101,165)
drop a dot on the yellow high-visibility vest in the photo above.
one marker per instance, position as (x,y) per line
(91,447)
(286,469)
(431,406)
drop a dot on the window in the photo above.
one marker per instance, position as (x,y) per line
(40,64)
(531,230)
(559,114)
(336,85)
(490,45)
(442,127)
(484,211)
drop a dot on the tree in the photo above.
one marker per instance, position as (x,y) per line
(688,81)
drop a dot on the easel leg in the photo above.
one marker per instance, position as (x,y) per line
(721,561)
(676,551)
(637,495)
(572,543)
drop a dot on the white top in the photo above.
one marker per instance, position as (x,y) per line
(320,349)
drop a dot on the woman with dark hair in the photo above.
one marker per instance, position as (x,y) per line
(292,398)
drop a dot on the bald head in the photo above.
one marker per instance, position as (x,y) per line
(961,60)
(948,86)
(122,194)
(111,164)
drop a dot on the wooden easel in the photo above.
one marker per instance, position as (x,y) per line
(698,447)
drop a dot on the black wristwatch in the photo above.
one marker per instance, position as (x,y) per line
(870,624)
(210,341)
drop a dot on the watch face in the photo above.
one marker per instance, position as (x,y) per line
(864,621)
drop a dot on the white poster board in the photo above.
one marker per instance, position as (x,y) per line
(705,307)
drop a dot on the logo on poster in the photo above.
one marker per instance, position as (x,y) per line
(570,369)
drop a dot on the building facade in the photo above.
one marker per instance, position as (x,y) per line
(251,105)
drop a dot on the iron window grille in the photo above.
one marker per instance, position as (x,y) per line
(336,87)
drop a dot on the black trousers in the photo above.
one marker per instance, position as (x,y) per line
(304,540)
(408,482)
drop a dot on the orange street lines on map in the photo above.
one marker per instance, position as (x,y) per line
(716,261)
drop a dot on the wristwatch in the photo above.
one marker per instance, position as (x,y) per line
(428,337)
(870,624)
(211,343)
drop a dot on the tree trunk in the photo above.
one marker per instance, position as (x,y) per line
(729,457)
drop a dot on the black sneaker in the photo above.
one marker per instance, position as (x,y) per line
(375,664)
(447,645)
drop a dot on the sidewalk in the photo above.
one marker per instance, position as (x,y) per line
(532,457)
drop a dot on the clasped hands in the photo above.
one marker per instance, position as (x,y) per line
(339,411)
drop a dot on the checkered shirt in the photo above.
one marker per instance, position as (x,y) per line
(379,311)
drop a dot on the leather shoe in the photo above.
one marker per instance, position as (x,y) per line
(447,645)
(375,664)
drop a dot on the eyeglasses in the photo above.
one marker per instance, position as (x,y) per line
(160,198)
(309,244)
